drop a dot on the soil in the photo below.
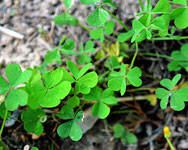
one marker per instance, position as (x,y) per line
(27,17)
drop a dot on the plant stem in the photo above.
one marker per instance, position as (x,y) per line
(169,38)
(141,5)
(141,89)
(80,107)
(157,55)
(134,57)
(170,144)
(118,20)
(3,124)
(83,26)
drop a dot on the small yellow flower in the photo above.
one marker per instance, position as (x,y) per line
(166,131)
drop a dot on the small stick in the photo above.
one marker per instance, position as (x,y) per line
(11,33)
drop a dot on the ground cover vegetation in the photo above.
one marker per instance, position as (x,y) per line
(82,82)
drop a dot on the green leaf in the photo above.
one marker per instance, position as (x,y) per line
(79,116)
(109,3)
(109,27)
(89,2)
(15,98)
(71,129)
(84,70)
(94,94)
(118,130)
(67,76)
(101,110)
(54,95)
(2,111)
(73,101)
(181,17)
(34,148)
(16,76)
(112,63)
(73,68)
(115,83)
(89,47)
(52,78)
(4,87)
(51,57)
(67,3)
(97,18)
(134,75)
(108,97)
(66,112)
(123,87)
(181,2)
(129,138)
(65,19)
(97,34)
(177,99)
(122,37)
(31,119)
(90,79)
(137,26)
(162,6)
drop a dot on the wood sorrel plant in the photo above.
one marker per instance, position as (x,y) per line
(37,88)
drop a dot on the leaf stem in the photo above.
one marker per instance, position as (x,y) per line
(118,20)
(80,107)
(3,124)
(134,57)
(169,38)
(156,55)
(83,26)
(141,89)
(170,144)
(141,5)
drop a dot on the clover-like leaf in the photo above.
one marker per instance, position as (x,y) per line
(4,86)
(109,27)
(15,98)
(97,34)
(53,56)
(68,3)
(118,130)
(31,119)
(94,95)
(73,101)
(115,83)
(66,112)
(177,98)
(52,78)
(109,3)
(54,95)
(180,15)
(65,19)
(71,129)
(129,138)
(73,68)
(134,75)
(97,18)
(101,110)
(16,76)
(89,2)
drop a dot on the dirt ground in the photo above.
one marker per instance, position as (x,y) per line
(28,17)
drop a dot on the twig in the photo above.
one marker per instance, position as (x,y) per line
(11,33)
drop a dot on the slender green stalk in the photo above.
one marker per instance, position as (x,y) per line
(118,20)
(3,124)
(170,144)
(141,89)
(83,26)
(62,40)
(169,38)
(156,55)
(80,107)
(141,5)
(134,57)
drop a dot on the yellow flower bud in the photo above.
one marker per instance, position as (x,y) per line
(166,131)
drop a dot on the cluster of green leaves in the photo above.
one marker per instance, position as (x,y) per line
(177,97)
(179,59)
(123,133)
(119,80)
